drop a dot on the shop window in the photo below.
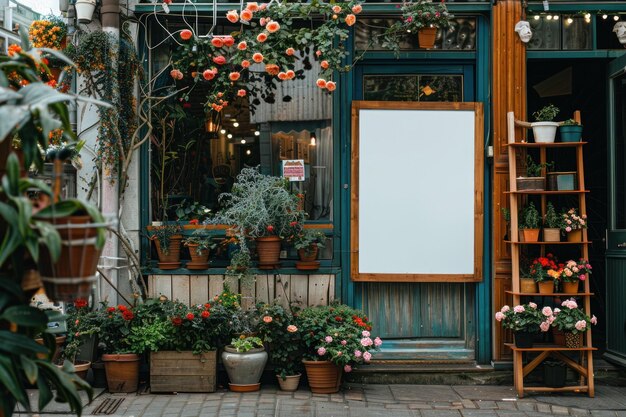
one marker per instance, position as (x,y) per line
(561,32)
(413,87)
(460,36)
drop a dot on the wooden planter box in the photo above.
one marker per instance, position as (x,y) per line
(172,371)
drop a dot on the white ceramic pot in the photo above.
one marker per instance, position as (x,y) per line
(544,132)
(64,5)
(290,383)
(244,368)
(84,10)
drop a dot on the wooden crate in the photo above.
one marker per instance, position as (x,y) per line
(172,371)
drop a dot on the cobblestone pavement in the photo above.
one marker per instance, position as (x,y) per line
(366,401)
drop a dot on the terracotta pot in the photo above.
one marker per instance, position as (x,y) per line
(324,376)
(573,341)
(81,368)
(529,235)
(308,255)
(73,275)
(570,287)
(122,371)
(546,287)
(575,236)
(551,235)
(290,383)
(528,285)
(195,257)
(268,249)
(426,37)
(173,252)
(558,336)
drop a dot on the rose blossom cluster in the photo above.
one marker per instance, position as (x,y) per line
(351,348)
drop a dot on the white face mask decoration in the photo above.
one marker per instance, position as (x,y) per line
(620,30)
(523,30)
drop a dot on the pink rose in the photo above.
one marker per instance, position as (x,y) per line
(366,341)
(321,351)
(557,310)
(544,326)
(347,368)
(499,316)
(328,339)
(365,333)
(581,325)
(378,342)
(357,353)
(518,309)
(367,356)
(504,309)
(343,343)
(292,329)
(546,311)
(532,305)
(594,320)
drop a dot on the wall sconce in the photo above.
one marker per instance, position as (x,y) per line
(523,30)
(620,31)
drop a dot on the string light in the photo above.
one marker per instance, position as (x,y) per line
(570,20)
(229,136)
(223,131)
(257,133)
(587,15)
(536,17)
(616,18)
(605,16)
(549,17)
(555,17)
(236,124)
(248,152)
(243,141)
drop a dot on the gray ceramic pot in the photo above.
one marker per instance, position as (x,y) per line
(246,367)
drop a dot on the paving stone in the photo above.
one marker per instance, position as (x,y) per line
(506,405)
(420,406)
(544,408)
(486,405)
(468,403)
(556,409)
(440,413)
(510,413)
(527,406)
(603,413)
(581,412)
(422,392)
(478,413)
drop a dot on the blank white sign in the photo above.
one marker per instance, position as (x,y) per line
(416,191)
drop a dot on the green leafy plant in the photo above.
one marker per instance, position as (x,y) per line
(570,318)
(187,210)
(308,239)
(522,318)
(533,169)
(546,113)
(246,343)
(114,324)
(203,238)
(551,219)
(81,324)
(277,328)
(529,217)
(570,122)
(164,234)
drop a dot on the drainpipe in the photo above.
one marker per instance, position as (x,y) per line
(110,19)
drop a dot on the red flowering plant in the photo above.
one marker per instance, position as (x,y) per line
(337,333)
(82,323)
(114,326)
(545,268)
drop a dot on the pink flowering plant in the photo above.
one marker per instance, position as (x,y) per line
(574,271)
(339,334)
(570,318)
(573,221)
(523,318)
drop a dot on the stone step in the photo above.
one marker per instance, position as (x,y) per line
(431,350)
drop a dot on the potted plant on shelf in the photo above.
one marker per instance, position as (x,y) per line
(544,127)
(244,360)
(529,222)
(572,321)
(307,243)
(200,244)
(533,179)
(167,240)
(335,339)
(545,270)
(551,224)
(423,17)
(571,131)
(80,345)
(573,272)
(260,207)
(277,328)
(525,321)
(573,225)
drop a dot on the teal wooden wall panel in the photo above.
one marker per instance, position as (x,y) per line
(417,310)
(616,313)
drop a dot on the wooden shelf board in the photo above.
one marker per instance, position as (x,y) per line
(546,145)
(550,348)
(536,192)
(556,294)
(586,242)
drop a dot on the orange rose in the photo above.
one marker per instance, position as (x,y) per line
(331,86)
(217,42)
(324,64)
(234,76)
(272,69)
(257,57)
(245,63)
(246,15)
(321,83)
(350,19)
(273,27)
(356,9)
(232,16)
(261,37)
(336,9)
(186,34)
(252,6)
(282,76)
(291,74)
(228,41)
(290,51)
(209,74)
(242,46)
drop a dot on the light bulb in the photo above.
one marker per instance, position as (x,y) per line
(223,131)
(248,152)
(257,133)
(313,142)
(570,20)
(536,17)
(587,15)
(605,16)
(549,17)
(236,124)
(229,136)
(243,141)
(587,20)
(616,18)
(555,17)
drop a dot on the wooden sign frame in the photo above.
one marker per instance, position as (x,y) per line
(478,215)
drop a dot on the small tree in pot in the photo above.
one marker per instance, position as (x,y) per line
(544,128)
(529,222)
(552,223)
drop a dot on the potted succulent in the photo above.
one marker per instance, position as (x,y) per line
(277,328)
(529,222)
(200,244)
(572,273)
(572,321)
(307,243)
(545,270)
(533,179)
(573,225)
(424,17)
(571,131)
(260,207)
(244,360)
(167,238)
(335,338)
(544,127)
(525,321)
(551,224)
